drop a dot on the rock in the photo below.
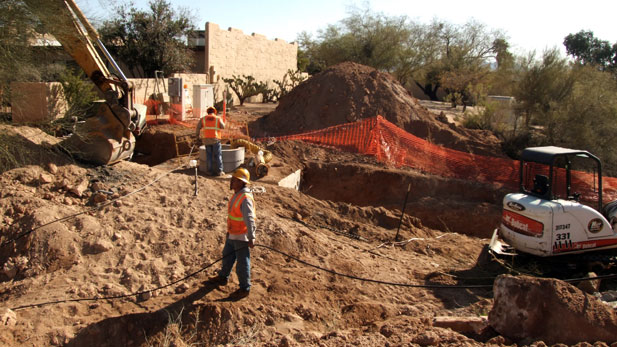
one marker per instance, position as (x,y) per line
(99,246)
(518,313)
(427,338)
(182,288)
(96,186)
(386,330)
(287,342)
(9,269)
(146,295)
(63,184)
(8,317)
(462,324)
(590,286)
(98,198)
(45,178)
(499,340)
(52,168)
(79,189)
(609,296)
(14,265)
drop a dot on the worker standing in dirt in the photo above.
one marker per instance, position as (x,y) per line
(240,234)
(209,132)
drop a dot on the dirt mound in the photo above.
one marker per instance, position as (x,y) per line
(349,92)
(580,316)
(23,145)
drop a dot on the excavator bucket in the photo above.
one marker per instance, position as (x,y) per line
(102,139)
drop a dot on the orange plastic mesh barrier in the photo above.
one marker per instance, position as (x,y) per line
(233,130)
(391,144)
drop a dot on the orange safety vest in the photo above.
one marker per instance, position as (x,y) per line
(235,220)
(211,127)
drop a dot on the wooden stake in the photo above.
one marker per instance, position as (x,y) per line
(402,213)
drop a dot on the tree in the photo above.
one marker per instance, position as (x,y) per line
(363,37)
(460,57)
(542,86)
(245,87)
(588,50)
(587,117)
(20,60)
(290,80)
(503,76)
(150,41)
(79,93)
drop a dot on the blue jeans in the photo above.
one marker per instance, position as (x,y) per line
(214,158)
(240,251)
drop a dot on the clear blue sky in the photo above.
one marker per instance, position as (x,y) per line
(529,25)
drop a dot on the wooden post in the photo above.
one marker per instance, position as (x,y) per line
(402,213)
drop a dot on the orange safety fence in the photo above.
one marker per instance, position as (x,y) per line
(233,130)
(388,143)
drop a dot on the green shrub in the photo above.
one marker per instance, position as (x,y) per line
(78,92)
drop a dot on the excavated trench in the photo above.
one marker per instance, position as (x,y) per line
(449,205)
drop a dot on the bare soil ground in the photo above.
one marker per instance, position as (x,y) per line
(120,255)
(163,233)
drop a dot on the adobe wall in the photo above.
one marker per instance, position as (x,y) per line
(231,52)
(33,102)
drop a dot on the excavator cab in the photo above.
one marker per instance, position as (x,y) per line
(560,173)
(559,207)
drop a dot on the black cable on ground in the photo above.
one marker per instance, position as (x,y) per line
(428,286)
(409,285)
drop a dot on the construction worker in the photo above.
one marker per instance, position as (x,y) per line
(240,234)
(209,132)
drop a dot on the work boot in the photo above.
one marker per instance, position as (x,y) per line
(240,293)
(217,281)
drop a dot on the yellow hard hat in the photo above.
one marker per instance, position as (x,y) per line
(211,109)
(242,174)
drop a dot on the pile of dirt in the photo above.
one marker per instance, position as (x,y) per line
(349,92)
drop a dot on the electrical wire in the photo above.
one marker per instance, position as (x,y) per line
(409,285)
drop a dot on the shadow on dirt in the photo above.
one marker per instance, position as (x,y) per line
(168,323)
(475,284)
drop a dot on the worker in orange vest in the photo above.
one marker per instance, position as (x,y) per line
(209,132)
(240,234)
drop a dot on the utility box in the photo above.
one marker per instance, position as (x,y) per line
(174,86)
(203,97)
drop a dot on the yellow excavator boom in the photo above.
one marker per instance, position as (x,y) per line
(108,135)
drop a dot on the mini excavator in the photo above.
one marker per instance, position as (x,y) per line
(559,209)
(108,134)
